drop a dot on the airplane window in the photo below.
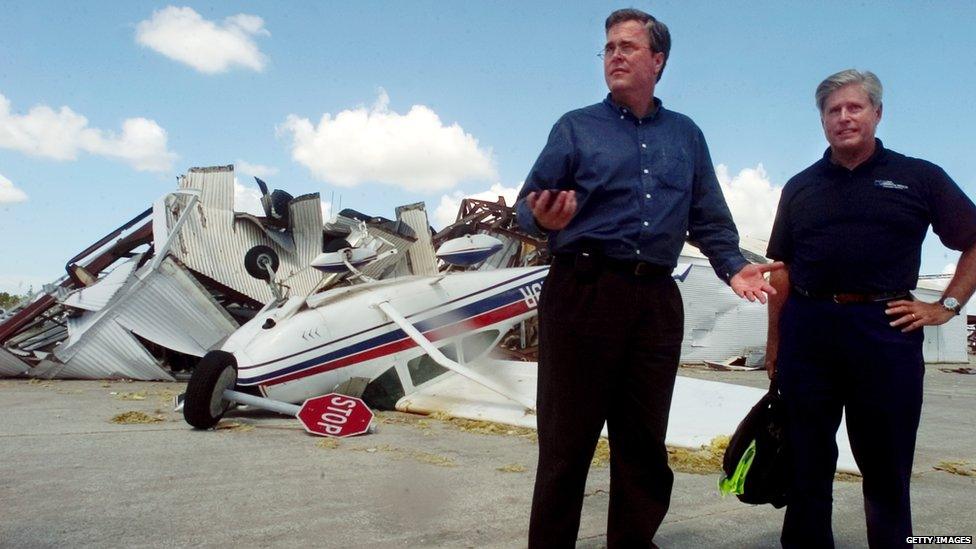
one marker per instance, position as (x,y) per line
(423,368)
(476,344)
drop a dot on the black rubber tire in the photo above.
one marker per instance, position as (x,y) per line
(253,259)
(204,405)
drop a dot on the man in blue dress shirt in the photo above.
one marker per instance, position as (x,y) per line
(617,188)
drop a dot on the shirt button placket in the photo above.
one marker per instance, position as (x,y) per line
(645,181)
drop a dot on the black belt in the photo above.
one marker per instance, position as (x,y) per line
(854,297)
(591,261)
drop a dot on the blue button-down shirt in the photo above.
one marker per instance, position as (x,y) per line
(642,186)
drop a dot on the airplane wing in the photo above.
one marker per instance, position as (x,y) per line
(700,409)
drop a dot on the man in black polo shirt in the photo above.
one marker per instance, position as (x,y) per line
(843,328)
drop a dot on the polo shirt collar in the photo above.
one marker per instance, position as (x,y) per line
(624,111)
(879,152)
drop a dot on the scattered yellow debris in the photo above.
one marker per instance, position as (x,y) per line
(963,468)
(486,427)
(234,426)
(416,455)
(166,396)
(847,477)
(136,395)
(512,468)
(328,443)
(601,456)
(705,460)
(134,417)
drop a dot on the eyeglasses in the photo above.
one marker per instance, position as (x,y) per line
(625,49)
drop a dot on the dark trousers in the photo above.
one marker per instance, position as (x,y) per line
(834,357)
(609,345)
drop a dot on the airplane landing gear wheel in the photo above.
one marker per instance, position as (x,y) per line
(258,259)
(205,404)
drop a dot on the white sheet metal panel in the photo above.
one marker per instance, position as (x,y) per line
(718,324)
(945,343)
(423,259)
(107,350)
(213,243)
(97,296)
(700,410)
(170,308)
(166,306)
(10,365)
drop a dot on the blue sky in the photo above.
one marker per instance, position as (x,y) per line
(163,87)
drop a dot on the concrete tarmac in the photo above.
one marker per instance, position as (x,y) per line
(70,477)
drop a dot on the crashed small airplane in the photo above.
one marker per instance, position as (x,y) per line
(379,339)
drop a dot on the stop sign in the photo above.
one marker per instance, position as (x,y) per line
(335,415)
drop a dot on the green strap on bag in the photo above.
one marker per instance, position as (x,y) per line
(736,483)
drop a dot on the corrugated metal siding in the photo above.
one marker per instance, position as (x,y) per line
(107,350)
(166,306)
(213,243)
(93,298)
(10,365)
(945,343)
(718,324)
(423,260)
(170,308)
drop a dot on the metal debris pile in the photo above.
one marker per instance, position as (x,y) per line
(145,301)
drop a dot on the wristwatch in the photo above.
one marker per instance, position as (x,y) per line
(951,304)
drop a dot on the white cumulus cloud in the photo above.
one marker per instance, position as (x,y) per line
(751,197)
(447,210)
(9,193)
(61,134)
(256,170)
(183,35)
(414,151)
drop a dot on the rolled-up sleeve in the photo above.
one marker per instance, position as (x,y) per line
(710,225)
(553,170)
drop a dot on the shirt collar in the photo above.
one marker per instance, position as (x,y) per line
(875,157)
(624,111)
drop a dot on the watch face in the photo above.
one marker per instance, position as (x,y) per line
(951,303)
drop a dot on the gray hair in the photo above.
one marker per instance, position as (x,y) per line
(867,80)
(657,32)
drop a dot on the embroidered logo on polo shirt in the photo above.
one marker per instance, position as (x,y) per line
(885,184)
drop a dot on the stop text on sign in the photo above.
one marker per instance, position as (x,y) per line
(336,414)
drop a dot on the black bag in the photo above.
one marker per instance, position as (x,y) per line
(756,462)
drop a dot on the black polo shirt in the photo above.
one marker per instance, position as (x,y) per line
(861,230)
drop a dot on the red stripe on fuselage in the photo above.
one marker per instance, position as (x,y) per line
(484,319)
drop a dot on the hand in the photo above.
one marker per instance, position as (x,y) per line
(770,366)
(751,283)
(912,315)
(552,210)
